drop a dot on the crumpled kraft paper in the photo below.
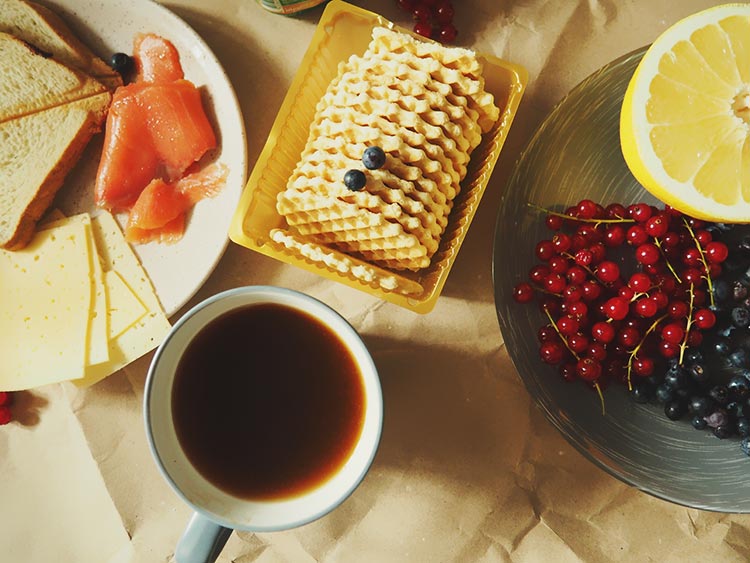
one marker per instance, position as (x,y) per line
(468,469)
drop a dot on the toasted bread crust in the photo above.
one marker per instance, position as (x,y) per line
(48,189)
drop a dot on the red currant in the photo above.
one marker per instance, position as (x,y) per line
(716,252)
(678,309)
(523,293)
(636,235)
(544,250)
(614,235)
(647,254)
(586,209)
(639,282)
(704,319)
(673,333)
(597,351)
(444,12)
(421,12)
(5,415)
(643,366)
(615,211)
(578,342)
(554,222)
(547,333)
(576,275)
(591,290)
(646,307)
(608,271)
(640,212)
(588,369)
(603,332)
(657,226)
(555,283)
(424,29)
(448,33)
(552,352)
(616,308)
(538,273)
(568,325)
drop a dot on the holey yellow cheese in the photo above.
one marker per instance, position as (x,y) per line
(44,317)
(74,305)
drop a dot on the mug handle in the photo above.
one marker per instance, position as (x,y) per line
(202,541)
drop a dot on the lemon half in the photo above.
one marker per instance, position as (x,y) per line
(685,121)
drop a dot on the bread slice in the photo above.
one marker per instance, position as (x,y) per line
(31,82)
(42,28)
(48,113)
(37,152)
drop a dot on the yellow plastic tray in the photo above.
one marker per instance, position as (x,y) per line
(345,30)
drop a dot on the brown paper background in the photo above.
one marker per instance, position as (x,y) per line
(468,469)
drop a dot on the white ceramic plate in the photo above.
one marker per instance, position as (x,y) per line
(176,270)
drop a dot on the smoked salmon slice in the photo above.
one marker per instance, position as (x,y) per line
(159,213)
(130,161)
(156,59)
(157,128)
(177,124)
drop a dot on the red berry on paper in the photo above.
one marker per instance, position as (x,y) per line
(5,415)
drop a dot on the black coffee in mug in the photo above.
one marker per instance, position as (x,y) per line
(267,402)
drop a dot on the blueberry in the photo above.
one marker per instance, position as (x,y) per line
(723,431)
(699,406)
(739,291)
(355,180)
(640,393)
(740,317)
(739,387)
(698,373)
(735,409)
(746,374)
(738,358)
(373,158)
(674,410)
(698,422)
(719,393)
(664,393)
(743,426)
(725,331)
(693,356)
(721,346)
(121,63)
(721,291)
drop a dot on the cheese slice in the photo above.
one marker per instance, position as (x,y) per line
(97,350)
(46,296)
(149,331)
(124,309)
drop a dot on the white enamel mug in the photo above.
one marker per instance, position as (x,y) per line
(217,513)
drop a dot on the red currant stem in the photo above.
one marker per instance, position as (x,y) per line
(657,242)
(703,259)
(589,270)
(542,290)
(557,330)
(601,396)
(634,352)
(688,325)
(571,218)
